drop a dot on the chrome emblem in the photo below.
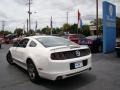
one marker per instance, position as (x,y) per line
(77,53)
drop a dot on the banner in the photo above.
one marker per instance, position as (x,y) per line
(109,27)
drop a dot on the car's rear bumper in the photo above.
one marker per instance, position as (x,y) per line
(61,70)
(57,76)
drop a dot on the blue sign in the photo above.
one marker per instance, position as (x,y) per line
(109,27)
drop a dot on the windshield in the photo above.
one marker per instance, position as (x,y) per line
(53,41)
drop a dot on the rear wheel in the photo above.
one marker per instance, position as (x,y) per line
(9,58)
(32,72)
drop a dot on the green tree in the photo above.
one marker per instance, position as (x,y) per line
(5,32)
(38,31)
(66,27)
(100,26)
(73,29)
(18,31)
(46,30)
(94,22)
(56,30)
(85,30)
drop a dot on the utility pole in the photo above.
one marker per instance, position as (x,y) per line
(51,24)
(3,28)
(27,25)
(67,17)
(3,25)
(23,29)
(29,12)
(97,18)
(67,22)
(36,24)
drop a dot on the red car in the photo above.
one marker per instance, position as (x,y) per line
(72,37)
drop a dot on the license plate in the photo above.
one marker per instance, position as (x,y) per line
(78,65)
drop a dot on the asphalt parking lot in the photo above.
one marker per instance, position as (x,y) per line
(105,75)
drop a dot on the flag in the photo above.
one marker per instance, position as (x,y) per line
(79,20)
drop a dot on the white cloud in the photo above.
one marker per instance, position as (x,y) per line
(15,11)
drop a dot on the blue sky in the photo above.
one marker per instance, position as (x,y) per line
(14,12)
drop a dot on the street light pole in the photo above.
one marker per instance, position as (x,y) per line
(67,17)
(29,12)
(27,26)
(3,28)
(97,18)
(51,24)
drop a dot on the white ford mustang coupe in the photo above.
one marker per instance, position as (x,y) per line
(50,57)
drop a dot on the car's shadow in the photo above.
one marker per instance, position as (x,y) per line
(71,83)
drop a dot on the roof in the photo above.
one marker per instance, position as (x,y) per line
(39,36)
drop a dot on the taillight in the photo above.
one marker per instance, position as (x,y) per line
(58,56)
(69,54)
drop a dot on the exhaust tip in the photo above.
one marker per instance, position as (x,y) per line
(90,69)
(59,78)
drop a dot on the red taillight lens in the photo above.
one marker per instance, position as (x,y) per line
(57,56)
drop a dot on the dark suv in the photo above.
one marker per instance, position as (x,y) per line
(94,42)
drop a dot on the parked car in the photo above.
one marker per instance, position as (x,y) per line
(72,37)
(17,39)
(0,44)
(94,42)
(81,38)
(118,49)
(9,38)
(1,41)
(50,57)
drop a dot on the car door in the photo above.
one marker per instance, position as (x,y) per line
(14,50)
(21,51)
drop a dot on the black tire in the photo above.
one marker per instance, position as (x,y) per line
(0,46)
(32,72)
(9,58)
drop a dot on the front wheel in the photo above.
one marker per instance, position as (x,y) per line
(32,72)
(9,58)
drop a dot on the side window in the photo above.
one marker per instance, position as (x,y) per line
(15,44)
(32,44)
(23,43)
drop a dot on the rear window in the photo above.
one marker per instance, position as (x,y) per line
(53,41)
